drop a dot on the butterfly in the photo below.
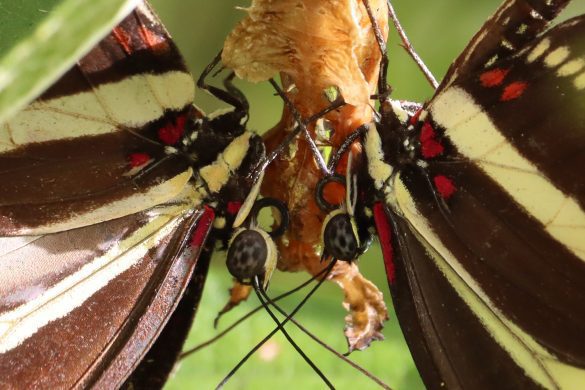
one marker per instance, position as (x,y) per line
(478,206)
(112,184)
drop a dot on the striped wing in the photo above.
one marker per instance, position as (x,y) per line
(487,261)
(91,148)
(514,25)
(82,307)
(449,343)
(159,362)
(102,227)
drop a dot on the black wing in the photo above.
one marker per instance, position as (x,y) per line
(491,296)
(102,226)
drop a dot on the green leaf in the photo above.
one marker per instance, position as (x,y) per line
(42,39)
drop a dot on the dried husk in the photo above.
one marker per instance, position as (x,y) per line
(314,45)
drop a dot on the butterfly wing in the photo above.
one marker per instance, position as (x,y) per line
(449,344)
(83,306)
(514,25)
(102,227)
(105,124)
(159,362)
(490,290)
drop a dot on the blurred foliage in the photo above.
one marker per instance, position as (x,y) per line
(41,39)
(19,18)
(439,30)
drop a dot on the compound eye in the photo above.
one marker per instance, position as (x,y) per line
(339,237)
(251,250)
(247,254)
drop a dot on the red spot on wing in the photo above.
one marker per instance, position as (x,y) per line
(233,207)
(427,132)
(123,38)
(445,186)
(513,91)
(430,147)
(153,41)
(385,235)
(173,132)
(138,159)
(493,78)
(203,227)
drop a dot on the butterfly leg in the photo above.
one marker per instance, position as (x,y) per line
(231,95)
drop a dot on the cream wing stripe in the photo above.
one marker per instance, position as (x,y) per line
(218,173)
(477,138)
(538,363)
(379,170)
(131,102)
(17,325)
(159,194)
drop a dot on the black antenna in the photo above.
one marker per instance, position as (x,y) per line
(273,332)
(280,326)
(248,315)
(343,357)
(272,301)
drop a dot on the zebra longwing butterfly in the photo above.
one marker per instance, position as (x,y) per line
(479,208)
(111,183)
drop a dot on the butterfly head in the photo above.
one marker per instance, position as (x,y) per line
(252,252)
(340,235)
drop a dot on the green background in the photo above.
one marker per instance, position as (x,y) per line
(439,31)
